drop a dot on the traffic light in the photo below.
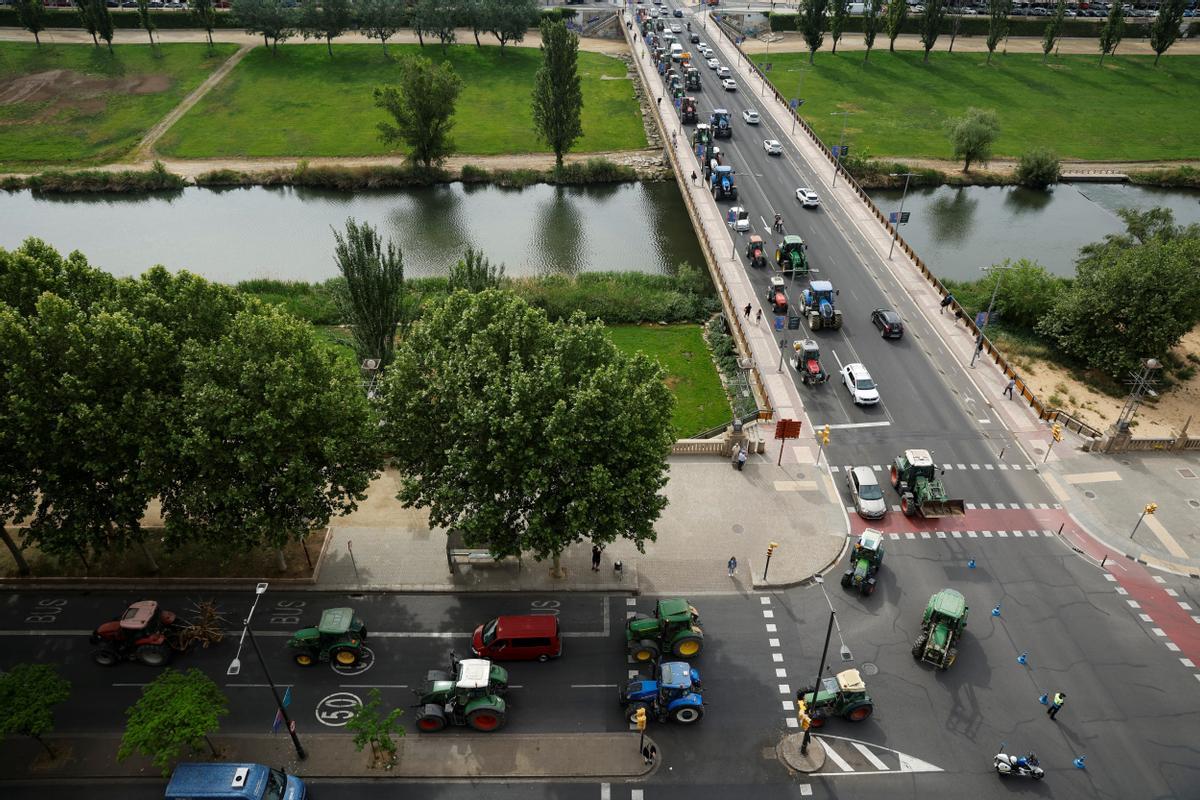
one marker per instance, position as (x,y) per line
(802,714)
(639,719)
(771,548)
(825,435)
(1151,508)
(1056,432)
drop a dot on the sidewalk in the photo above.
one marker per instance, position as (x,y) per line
(449,755)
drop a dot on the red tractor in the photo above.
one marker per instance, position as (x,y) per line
(776,295)
(755,251)
(149,634)
(807,362)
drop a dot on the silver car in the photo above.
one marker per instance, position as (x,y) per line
(866,493)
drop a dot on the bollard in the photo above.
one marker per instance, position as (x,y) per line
(971,564)
(1078,762)
(996,610)
(1023,658)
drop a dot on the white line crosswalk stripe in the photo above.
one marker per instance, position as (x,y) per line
(869,756)
(841,763)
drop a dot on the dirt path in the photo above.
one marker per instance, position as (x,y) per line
(794,43)
(145,148)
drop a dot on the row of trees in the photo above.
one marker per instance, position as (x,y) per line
(818,16)
(278,20)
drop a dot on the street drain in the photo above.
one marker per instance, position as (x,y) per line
(869,669)
(1186,473)
(1090,495)
(738,529)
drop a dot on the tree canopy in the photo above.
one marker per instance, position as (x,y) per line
(973,134)
(176,714)
(32,16)
(1164,30)
(557,90)
(526,436)
(422,108)
(931,24)
(998,11)
(325,19)
(893,22)
(29,694)
(812,24)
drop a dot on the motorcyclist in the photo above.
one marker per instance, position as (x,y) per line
(1027,762)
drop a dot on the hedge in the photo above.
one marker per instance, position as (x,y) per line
(978,26)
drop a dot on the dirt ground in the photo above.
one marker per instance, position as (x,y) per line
(62,89)
(1164,416)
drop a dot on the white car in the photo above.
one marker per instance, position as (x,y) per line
(676,28)
(858,382)
(751,116)
(741,219)
(807,197)
(773,147)
(713,63)
(866,493)
(729,85)
(724,72)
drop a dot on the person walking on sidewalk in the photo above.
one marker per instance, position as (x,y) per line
(741,458)
(747,310)
(595,558)
(732,566)
(733,459)
(1008,390)
(1056,704)
(693,176)
(946,301)
(758,316)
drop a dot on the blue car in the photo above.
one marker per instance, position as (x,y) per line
(675,695)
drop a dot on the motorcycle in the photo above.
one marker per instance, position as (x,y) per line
(1025,766)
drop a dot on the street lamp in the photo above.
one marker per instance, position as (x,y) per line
(900,213)
(235,667)
(820,669)
(999,270)
(841,144)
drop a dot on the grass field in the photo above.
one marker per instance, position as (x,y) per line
(81,104)
(699,399)
(302,103)
(1126,110)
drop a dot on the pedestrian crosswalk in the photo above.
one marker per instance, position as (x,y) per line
(987,507)
(947,467)
(1010,534)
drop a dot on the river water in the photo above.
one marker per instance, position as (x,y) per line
(958,231)
(235,234)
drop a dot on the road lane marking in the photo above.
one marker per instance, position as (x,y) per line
(848,425)
(605,791)
(869,756)
(841,763)
(1174,648)
(1091,477)
(593,686)
(1165,537)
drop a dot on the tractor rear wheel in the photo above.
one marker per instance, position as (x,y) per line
(859,713)
(430,723)
(304,658)
(817,718)
(686,715)
(485,719)
(919,645)
(345,656)
(868,586)
(687,646)
(153,655)
(847,576)
(632,709)
(105,656)
(645,650)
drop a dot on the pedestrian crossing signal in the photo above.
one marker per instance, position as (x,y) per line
(802,714)
(825,435)
(1056,432)
(1151,508)
(639,719)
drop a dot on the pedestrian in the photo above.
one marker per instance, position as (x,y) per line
(693,176)
(758,316)
(1008,390)
(1056,704)
(733,459)
(649,753)
(741,459)
(732,566)
(595,558)
(674,143)
(947,300)
(658,102)
(747,310)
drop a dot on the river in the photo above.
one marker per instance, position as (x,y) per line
(958,231)
(235,234)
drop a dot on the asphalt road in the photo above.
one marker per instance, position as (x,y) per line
(928,401)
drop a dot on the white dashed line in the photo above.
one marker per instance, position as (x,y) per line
(1108,576)
(791,722)
(1174,648)
(777,658)
(1171,592)
(785,688)
(789,705)
(1134,604)
(768,614)
(781,673)
(972,534)
(1185,606)
(1145,618)
(1122,590)
(1187,662)
(1158,631)
(772,643)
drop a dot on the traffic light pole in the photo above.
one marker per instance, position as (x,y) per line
(817,685)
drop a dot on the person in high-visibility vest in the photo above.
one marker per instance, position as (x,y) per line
(1056,704)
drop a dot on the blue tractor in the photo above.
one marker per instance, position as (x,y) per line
(719,119)
(674,696)
(721,182)
(818,306)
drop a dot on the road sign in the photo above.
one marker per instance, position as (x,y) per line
(779,322)
(287,701)
(903,218)
(787,429)
(840,150)
(794,103)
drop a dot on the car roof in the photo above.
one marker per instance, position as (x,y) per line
(865,475)
(857,369)
(888,314)
(771,141)
(527,625)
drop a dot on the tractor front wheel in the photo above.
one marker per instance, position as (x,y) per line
(485,719)
(345,657)
(919,645)
(430,723)
(646,650)
(859,713)
(105,656)
(686,715)
(951,654)
(304,658)
(687,646)
(153,655)
(895,477)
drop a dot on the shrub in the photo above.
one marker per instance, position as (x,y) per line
(155,179)
(1038,168)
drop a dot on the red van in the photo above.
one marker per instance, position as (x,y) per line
(518,638)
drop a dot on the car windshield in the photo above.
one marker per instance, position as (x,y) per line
(870,491)
(864,383)
(276,784)
(489,632)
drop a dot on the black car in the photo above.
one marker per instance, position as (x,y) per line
(678,12)
(888,322)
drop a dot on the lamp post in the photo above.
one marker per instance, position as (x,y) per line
(999,270)
(820,669)
(841,144)
(235,667)
(900,213)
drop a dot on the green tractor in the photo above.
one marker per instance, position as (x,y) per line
(469,694)
(914,477)
(792,257)
(865,560)
(674,630)
(339,637)
(944,622)
(842,696)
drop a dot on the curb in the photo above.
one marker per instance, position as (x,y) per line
(789,753)
(811,578)
(1181,570)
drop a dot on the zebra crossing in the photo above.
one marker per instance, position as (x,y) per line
(988,507)
(949,467)
(1011,534)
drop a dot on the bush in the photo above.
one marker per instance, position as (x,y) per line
(1185,176)
(594,170)
(615,297)
(1027,293)
(155,179)
(1038,168)
(311,302)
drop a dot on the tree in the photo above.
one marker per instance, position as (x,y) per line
(371,726)
(931,24)
(145,19)
(998,11)
(325,19)
(474,273)
(1027,292)
(205,12)
(32,16)
(475,16)
(438,18)
(1038,168)
(98,11)
(422,106)
(274,436)
(1053,29)
(893,21)
(1111,31)
(28,696)
(557,92)
(812,24)
(837,21)
(870,24)
(1164,30)
(373,295)
(380,19)
(1130,300)
(956,15)
(973,134)
(547,434)
(86,20)
(509,19)
(272,19)
(177,712)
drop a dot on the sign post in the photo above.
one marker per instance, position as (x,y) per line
(786,429)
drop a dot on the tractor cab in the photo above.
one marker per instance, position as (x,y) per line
(869,546)
(141,619)
(944,621)
(807,361)
(339,636)
(674,629)
(791,256)
(702,134)
(692,77)
(754,251)
(777,296)
(916,464)
(719,119)
(721,180)
(818,300)
(677,679)
(865,559)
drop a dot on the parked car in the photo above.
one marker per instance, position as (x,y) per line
(858,382)
(866,493)
(807,197)
(729,85)
(888,322)
(750,116)
(773,147)
(694,38)
(724,72)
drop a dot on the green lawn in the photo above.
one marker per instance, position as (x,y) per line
(99,108)
(700,401)
(1127,110)
(302,103)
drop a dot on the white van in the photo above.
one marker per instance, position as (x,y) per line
(676,51)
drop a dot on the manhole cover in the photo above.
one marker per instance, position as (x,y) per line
(1194,503)
(869,669)
(1090,495)
(1186,473)
(738,529)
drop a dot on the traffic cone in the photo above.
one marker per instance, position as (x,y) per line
(1023,658)
(996,610)
(1044,699)
(1079,762)
(971,564)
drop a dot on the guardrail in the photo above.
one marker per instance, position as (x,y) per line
(1072,423)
